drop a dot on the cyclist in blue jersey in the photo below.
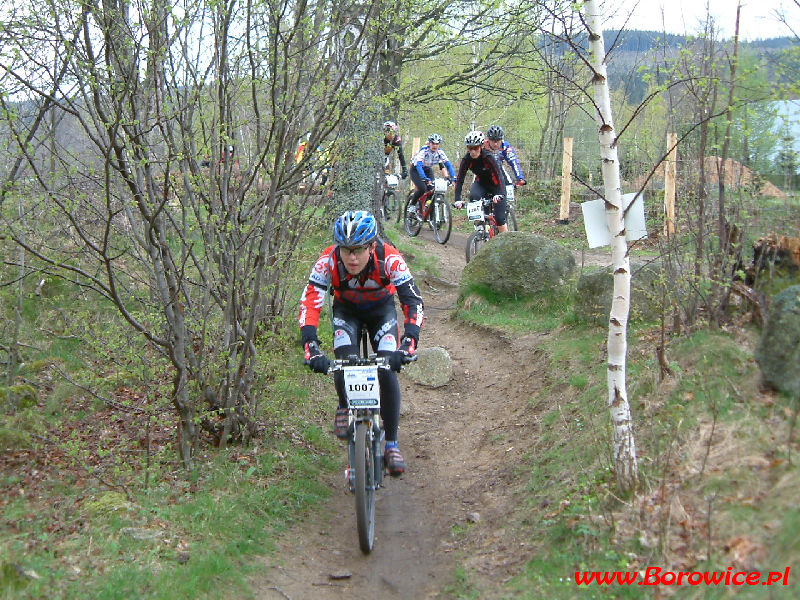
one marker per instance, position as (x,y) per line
(503,151)
(423,162)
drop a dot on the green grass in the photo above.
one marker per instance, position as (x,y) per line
(198,530)
(573,506)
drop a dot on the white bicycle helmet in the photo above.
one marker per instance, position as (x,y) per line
(435,138)
(390,127)
(474,138)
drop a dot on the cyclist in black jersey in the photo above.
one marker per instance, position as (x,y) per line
(392,142)
(489,180)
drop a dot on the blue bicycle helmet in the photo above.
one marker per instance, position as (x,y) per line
(355,228)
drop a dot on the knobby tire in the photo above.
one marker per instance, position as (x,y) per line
(443,225)
(389,205)
(511,219)
(411,222)
(365,488)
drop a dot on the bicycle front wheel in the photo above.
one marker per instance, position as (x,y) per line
(441,221)
(365,488)
(412,222)
(476,240)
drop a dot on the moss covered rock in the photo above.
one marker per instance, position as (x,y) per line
(778,351)
(518,264)
(595,288)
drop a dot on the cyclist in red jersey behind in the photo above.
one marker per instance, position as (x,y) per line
(363,273)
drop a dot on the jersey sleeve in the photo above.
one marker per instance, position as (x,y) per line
(410,298)
(462,173)
(511,158)
(313,296)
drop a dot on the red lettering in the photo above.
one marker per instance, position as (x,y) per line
(714,578)
(647,575)
(736,578)
(752,578)
(773,577)
(695,578)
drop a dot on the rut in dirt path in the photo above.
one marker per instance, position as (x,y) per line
(461,443)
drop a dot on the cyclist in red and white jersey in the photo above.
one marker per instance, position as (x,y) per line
(363,273)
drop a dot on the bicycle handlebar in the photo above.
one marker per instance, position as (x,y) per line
(382,362)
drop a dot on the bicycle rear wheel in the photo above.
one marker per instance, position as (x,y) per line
(365,488)
(411,222)
(389,205)
(440,220)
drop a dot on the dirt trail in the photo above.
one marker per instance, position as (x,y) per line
(461,443)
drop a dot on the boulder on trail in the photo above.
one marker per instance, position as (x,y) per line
(518,264)
(595,288)
(778,351)
(433,367)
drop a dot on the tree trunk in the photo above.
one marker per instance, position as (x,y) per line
(621,421)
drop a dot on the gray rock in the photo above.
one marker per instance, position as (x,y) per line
(595,288)
(433,367)
(518,264)
(778,351)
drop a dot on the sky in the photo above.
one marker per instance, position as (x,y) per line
(757,19)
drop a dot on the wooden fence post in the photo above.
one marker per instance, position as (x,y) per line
(669,184)
(566,181)
(414,146)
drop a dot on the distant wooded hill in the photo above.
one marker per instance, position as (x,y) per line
(634,52)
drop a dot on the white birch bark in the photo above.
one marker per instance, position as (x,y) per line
(622,424)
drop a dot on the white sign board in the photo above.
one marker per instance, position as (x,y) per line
(594,220)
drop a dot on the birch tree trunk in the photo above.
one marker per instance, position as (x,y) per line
(621,422)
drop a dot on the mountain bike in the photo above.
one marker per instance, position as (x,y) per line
(430,208)
(479,212)
(389,202)
(365,435)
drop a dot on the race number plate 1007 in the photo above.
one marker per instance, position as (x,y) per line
(362,387)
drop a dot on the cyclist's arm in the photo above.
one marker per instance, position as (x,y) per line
(407,291)
(313,296)
(418,162)
(510,156)
(462,173)
(450,169)
(400,156)
(413,308)
(497,184)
